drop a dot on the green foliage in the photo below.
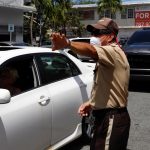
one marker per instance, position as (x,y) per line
(112,5)
(85,2)
(53,14)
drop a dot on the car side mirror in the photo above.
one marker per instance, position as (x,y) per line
(4,96)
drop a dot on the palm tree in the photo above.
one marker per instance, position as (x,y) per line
(64,7)
(28,21)
(43,9)
(112,6)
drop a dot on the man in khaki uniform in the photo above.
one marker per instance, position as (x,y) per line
(108,100)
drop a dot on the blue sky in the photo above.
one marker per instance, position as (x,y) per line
(135,0)
(126,0)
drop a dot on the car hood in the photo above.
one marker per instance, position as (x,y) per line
(137,48)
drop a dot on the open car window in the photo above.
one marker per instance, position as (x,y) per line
(18,75)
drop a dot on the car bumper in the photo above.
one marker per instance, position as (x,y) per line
(140,74)
(140,77)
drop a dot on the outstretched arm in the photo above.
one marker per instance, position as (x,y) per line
(82,48)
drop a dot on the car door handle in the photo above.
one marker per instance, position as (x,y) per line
(44,100)
(82,84)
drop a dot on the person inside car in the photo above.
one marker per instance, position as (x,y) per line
(8,77)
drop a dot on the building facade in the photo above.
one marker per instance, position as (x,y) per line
(134,16)
(11,19)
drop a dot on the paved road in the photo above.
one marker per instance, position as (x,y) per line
(139,109)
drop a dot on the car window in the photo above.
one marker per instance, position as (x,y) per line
(55,67)
(21,68)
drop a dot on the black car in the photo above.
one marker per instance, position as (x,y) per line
(137,50)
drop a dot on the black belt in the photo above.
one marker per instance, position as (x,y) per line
(101,112)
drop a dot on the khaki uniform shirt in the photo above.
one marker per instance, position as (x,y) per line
(110,89)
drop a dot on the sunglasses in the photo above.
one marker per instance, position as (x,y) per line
(97,32)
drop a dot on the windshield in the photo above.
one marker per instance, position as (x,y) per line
(140,37)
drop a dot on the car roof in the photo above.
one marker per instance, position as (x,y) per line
(81,39)
(8,52)
(12,51)
(144,30)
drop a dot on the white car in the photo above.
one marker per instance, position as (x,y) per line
(82,58)
(44,114)
(8,43)
(90,62)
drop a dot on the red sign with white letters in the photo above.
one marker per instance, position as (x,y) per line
(142,18)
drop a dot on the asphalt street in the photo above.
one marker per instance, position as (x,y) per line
(139,110)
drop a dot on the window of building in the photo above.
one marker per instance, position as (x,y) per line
(86,14)
(108,14)
(113,16)
(130,13)
(102,14)
(127,13)
(124,13)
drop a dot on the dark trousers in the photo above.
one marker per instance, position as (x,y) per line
(111,129)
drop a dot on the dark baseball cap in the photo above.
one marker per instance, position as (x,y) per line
(104,24)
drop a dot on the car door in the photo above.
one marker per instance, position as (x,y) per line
(23,120)
(67,91)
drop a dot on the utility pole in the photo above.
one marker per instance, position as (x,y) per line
(40,25)
(31,28)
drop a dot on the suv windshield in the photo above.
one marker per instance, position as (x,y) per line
(139,37)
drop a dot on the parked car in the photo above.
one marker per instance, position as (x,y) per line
(7,43)
(82,58)
(43,115)
(46,44)
(137,50)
